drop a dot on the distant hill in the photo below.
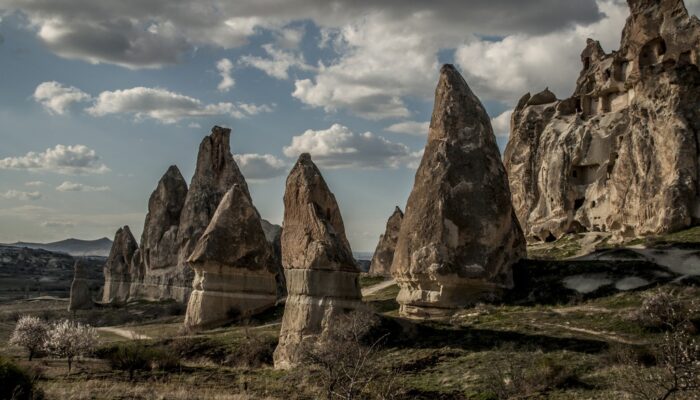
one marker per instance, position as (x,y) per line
(74,247)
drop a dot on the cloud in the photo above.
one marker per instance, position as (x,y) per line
(410,128)
(58,224)
(68,186)
(19,195)
(224,66)
(290,37)
(505,70)
(57,98)
(339,147)
(165,106)
(34,183)
(260,167)
(62,159)
(279,62)
(501,124)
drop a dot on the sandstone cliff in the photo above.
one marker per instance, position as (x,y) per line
(459,237)
(322,278)
(621,155)
(384,253)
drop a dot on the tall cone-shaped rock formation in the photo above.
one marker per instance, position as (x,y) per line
(459,236)
(233,264)
(118,268)
(80,297)
(322,278)
(622,155)
(384,253)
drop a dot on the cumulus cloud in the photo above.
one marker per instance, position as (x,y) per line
(225,66)
(20,195)
(62,159)
(260,167)
(501,124)
(68,186)
(57,98)
(165,106)
(279,62)
(339,147)
(504,70)
(410,128)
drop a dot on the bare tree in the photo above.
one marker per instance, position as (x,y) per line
(347,361)
(30,333)
(69,339)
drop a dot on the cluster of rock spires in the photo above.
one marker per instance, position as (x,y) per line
(622,155)
(207,239)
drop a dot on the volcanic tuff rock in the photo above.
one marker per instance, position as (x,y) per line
(273,234)
(118,268)
(384,253)
(622,154)
(80,298)
(459,236)
(322,279)
(234,273)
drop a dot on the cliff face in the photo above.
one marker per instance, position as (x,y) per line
(118,269)
(384,253)
(621,155)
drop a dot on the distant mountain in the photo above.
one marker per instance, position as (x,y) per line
(74,247)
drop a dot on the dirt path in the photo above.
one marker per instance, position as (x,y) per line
(601,334)
(125,333)
(370,290)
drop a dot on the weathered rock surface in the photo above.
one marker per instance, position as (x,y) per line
(118,268)
(621,155)
(273,234)
(233,264)
(384,253)
(80,297)
(322,278)
(459,237)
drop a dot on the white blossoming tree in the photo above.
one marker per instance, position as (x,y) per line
(30,333)
(69,339)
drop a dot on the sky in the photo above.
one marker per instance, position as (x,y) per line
(99,97)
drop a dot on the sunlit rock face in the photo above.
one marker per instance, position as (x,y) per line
(322,278)
(459,237)
(621,155)
(233,264)
(118,269)
(384,253)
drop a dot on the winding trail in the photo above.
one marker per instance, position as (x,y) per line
(370,290)
(125,333)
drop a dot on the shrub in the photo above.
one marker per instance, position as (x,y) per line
(663,310)
(164,360)
(69,339)
(129,357)
(15,383)
(30,333)
(253,353)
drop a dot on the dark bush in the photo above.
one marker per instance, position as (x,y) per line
(16,383)
(253,353)
(131,357)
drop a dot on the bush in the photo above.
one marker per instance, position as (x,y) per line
(253,353)
(135,357)
(30,333)
(15,382)
(664,310)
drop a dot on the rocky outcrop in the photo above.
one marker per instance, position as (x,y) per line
(234,272)
(273,234)
(118,268)
(80,297)
(622,155)
(384,253)
(322,278)
(459,237)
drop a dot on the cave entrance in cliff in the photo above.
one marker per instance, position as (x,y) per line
(584,174)
(652,52)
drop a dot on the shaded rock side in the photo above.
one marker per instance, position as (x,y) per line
(322,278)
(384,253)
(233,264)
(459,237)
(80,297)
(273,234)
(118,268)
(621,155)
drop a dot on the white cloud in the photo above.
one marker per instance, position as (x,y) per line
(507,69)
(260,167)
(34,183)
(290,37)
(57,224)
(279,62)
(501,124)
(57,98)
(62,159)
(410,128)
(68,186)
(339,147)
(225,66)
(165,106)
(20,195)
